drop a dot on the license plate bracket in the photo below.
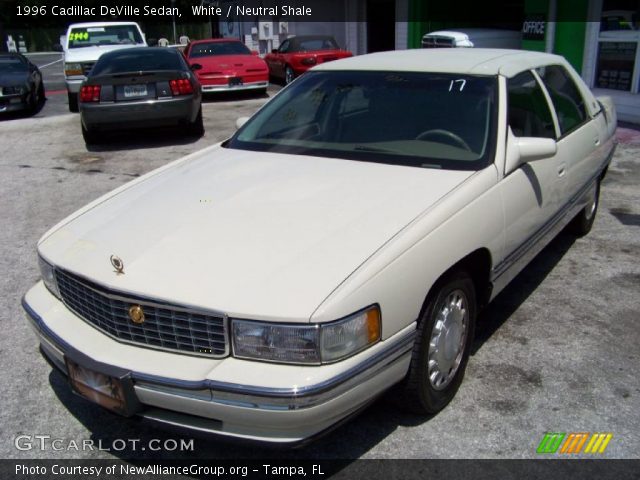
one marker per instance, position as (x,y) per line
(111,392)
(235,82)
(135,91)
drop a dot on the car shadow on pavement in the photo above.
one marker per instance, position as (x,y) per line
(349,441)
(521,287)
(141,139)
(219,97)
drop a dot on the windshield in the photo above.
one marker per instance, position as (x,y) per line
(430,120)
(104,35)
(312,44)
(218,48)
(12,64)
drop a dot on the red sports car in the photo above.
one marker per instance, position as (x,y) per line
(298,54)
(222,64)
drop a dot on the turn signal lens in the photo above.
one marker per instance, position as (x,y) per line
(90,93)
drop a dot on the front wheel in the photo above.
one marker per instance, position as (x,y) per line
(289,75)
(583,221)
(73,102)
(442,345)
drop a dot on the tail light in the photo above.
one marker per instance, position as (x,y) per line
(181,86)
(90,93)
(309,61)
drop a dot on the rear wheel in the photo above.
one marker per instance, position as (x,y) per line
(196,127)
(583,221)
(73,102)
(442,345)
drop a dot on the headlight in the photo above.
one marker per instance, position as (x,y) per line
(15,90)
(307,344)
(71,69)
(48,276)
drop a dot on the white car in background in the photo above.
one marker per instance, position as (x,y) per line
(85,42)
(340,243)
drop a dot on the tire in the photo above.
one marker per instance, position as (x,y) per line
(90,136)
(196,128)
(289,75)
(41,94)
(583,221)
(437,363)
(73,102)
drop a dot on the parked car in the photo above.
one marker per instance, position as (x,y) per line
(298,54)
(351,231)
(85,42)
(21,85)
(140,88)
(222,65)
(473,37)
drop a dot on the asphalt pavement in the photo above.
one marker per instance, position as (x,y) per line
(556,352)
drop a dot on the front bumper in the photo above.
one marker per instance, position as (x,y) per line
(13,103)
(228,397)
(233,88)
(74,84)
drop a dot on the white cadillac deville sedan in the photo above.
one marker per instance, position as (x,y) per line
(341,242)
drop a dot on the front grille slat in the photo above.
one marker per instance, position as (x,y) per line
(167,327)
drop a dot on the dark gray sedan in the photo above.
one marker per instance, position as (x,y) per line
(140,88)
(21,86)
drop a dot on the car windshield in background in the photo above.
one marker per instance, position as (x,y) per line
(105,35)
(12,64)
(218,48)
(430,120)
(313,44)
(138,60)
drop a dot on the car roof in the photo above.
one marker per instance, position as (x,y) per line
(216,40)
(475,61)
(100,24)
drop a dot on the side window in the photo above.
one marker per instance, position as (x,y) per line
(565,95)
(528,114)
(284,47)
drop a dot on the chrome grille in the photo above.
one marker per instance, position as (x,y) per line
(86,68)
(434,41)
(166,327)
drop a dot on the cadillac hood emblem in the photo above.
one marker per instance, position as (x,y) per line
(136,314)
(118,264)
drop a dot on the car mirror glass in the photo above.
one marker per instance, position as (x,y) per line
(196,66)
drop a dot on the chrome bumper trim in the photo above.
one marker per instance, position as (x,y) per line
(248,396)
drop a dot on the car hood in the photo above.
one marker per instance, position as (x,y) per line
(9,79)
(91,54)
(228,62)
(255,235)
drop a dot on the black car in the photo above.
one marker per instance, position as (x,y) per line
(21,86)
(140,88)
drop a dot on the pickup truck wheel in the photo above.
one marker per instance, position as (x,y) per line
(73,102)
(583,221)
(441,350)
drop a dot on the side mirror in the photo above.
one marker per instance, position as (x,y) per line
(521,150)
(57,47)
(152,42)
(241,121)
(196,67)
(275,50)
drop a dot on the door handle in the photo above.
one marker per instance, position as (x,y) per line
(562,169)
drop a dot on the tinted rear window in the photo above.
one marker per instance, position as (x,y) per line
(12,64)
(138,60)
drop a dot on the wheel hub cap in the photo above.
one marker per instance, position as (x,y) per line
(448,338)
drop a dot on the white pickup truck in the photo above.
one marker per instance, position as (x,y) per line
(85,42)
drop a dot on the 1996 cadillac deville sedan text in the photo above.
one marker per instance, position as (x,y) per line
(341,242)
